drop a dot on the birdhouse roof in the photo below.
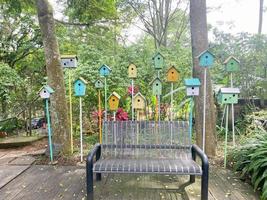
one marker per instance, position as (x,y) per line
(192,82)
(156,54)
(206,51)
(98,81)
(69,56)
(154,80)
(139,94)
(81,79)
(104,65)
(47,88)
(229,58)
(229,91)
(114,94)
(172,67)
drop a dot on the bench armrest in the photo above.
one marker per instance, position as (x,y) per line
(95,152)
(197,151)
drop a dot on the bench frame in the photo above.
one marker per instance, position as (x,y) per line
(195,150)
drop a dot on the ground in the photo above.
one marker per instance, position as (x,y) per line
(22,178)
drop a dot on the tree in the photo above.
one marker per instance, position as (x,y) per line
(199,40)
(60,121)
(260,16)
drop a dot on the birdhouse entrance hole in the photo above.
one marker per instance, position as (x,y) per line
(157,84)
(138,100)
(193,88)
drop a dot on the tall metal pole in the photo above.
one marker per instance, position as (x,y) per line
(70,108)
(204,111)
(106,114)
(49,130)
(159,106)
(171,101)
(226,135)
(99,116)
(132,92)
(81,129)
(233,112)
(191,118)
(114,116)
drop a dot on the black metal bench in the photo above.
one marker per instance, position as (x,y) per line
(147,147)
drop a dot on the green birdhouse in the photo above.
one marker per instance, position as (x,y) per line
(228,95)
(232,64)
(158,61)
(206,59)
(156,86)
(99,84)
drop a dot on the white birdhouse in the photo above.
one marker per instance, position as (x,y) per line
(192,86)
(46,92)
(69,61)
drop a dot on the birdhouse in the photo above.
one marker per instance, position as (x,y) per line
(132,71)
(104,70)
(113,101)
(156,86)
(99,84)
(172,74)
(69,61)
(206,59)
(158,61)
(232,64)
(79,87)
(139,101)
(45,92)
(228,95)
(192,86)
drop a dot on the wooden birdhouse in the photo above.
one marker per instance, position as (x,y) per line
(69,61)
(156,86)
(99,84)
(228,95)
(132,71)
(192,86)
(104,70)
(45,92)
(80,87)
(232,64)
(113,101)
(158,61)
(172,74)
(139,101)
(206,59)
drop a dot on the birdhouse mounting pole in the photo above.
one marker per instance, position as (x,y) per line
(114,116)
(204,111)
(191,118)
(233,111)
(106,114)
(171,101)
(70,108)
(49,129)
(99,117)
(81,128)
(226,134)
(132,92)
(159,106)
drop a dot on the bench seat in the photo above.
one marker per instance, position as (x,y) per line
(143,166)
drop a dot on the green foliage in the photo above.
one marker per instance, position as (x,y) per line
(11,125)
(250,157)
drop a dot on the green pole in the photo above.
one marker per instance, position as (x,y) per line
(226,134)
(49,130)
(191,118)
(106,114)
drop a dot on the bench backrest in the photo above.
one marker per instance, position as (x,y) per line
(145,139)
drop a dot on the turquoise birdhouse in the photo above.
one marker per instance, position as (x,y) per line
(80,87)
(156,86)
(104,70)
(158,61)
(206,59)
(228,95)
(99,84)
(232,64)
(192,86)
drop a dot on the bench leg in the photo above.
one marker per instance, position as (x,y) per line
(90,181)
(98,176)
(205,183)
(192,178)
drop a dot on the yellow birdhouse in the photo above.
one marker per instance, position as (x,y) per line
(173,74)
(132,71)
(139,101)
(113,101)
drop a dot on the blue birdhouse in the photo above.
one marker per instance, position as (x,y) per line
(158,61)
(80,87)
(206,59)
(104,70)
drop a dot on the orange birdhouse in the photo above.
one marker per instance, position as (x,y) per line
(173,74)
(113,101)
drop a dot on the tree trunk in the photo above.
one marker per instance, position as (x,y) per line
(260,16)
(58,107)
(199,40)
